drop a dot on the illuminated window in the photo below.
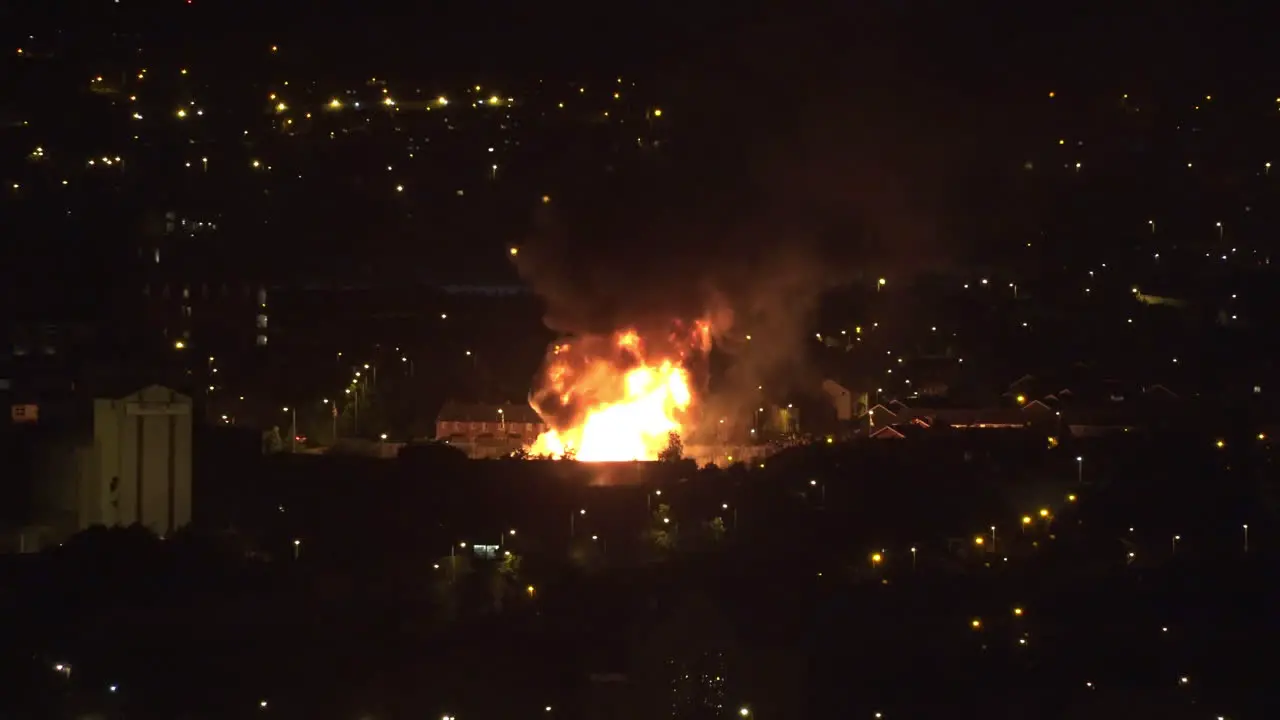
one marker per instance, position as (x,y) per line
(262,341)
(262,322)
(262,296)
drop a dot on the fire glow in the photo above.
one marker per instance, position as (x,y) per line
(610,399)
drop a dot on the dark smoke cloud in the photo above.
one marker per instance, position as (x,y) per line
(804,156)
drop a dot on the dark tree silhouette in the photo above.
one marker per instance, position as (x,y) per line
(674,450)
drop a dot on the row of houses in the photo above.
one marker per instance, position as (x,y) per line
(1056,412)
(1029,402)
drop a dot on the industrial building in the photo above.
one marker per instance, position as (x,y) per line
(130,463)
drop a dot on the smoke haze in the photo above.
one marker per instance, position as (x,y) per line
(797,163)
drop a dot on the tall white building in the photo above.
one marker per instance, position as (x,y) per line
(132,467)
(140,464)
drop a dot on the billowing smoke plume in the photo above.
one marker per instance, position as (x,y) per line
(780,181)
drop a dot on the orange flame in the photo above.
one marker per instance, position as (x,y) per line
(610,401)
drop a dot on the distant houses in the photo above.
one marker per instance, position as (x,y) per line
(1092,409)
(488,430)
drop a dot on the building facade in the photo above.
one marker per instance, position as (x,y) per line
(139,470)
(131,464)
(484,430)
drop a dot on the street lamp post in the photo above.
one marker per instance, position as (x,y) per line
(293,429)
(453,560)
(1246,537)
(1174,543)
(573,516)
(333,411)
(648,499)
(913,558)
(725,506)
(1079,469)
